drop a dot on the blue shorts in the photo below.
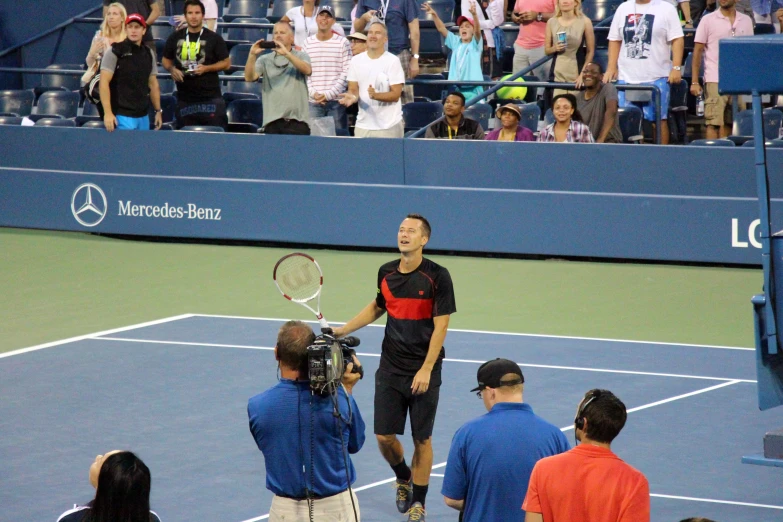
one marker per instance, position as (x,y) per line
(128,123)
(648,108)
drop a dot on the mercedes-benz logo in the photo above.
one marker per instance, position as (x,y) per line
(87,208)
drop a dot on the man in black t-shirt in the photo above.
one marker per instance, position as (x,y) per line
(418,296)
(194,56)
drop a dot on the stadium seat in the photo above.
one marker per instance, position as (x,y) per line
(743,124)
(433,92)
(444,8)
(60,82)
(167,85)
(420,114)
(247,9)
(713,143)
(431,43)
(17,102)
(764,29)
(511,32)
(242,87)
(597,10)
(631,124)
(168,102)
(55,122)
(770,144)
(246,111)
(93,125)
(531,114)
(481,112)
(601,56)
(250,35)
(10,120)
(280,8)
(549,117)
(202,128)
(678,112)
(342,9)
(60,103)
(161,29)
(229,97)
(238,55)
(159,46)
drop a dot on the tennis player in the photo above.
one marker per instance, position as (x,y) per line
(418,296)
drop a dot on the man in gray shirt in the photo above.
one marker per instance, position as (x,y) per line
(283,76)
(598,106)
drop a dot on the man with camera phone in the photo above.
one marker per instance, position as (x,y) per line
(306,435)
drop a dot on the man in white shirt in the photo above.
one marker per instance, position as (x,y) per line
(646,44)
(375,80)
(330,57)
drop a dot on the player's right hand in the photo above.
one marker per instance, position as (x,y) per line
(110,121)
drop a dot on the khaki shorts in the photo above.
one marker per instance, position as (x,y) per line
(395,131)
(717,108)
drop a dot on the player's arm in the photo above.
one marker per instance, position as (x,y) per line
(421,381)
(368,315)
(459,505)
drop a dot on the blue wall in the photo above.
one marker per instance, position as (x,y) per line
(632,202)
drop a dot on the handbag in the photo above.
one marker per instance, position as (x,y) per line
(92,89)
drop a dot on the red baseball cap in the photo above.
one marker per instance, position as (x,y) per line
(136,17)
(464,19)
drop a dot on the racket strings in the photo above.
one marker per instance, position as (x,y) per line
(298,278)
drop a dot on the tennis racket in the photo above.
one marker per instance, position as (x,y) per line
(299,279)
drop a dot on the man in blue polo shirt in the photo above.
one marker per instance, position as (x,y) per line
(305,445)
(491,457)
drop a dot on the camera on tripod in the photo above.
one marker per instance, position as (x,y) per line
(327,360)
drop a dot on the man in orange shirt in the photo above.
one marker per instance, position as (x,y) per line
(589,483)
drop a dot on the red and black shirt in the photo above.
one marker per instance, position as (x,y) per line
(411,301)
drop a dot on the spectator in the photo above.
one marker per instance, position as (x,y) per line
(128,82)
(301,438)
(724,23)
(358,43)
(283,76)
(651,38)
(491,457)
(768,12)
(149,9)
(589,482)
(402,26)
(304,22)
(454,125)
(465,62)
(568,126)
(330,57)
(491,15)
(194,56)
(375,80)
(683,8)
(510,129)
(210,16)
(598,105)
(122,482)
(532,16)
(112,31)
(576,27)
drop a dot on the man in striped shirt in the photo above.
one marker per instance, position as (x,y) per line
(330,56)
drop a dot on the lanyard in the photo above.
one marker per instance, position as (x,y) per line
(462,54)
(382,10)
(187,46)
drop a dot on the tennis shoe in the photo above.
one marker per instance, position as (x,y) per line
(416,513)
(404,495)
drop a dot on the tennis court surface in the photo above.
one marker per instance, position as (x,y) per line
(175,392)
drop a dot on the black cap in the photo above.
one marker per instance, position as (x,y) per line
(490,373)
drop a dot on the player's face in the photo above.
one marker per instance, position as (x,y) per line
(410,237)
(135,32)
(95,467)
(194,16)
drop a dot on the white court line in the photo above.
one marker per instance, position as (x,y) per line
(715,501)
(447,359)
(515,334)
(96,334)
(568,428)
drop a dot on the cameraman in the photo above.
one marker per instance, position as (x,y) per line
(288,421)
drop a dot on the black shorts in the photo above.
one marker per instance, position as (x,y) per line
(209,112)
(393,400)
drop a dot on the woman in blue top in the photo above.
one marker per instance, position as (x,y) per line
(465,62)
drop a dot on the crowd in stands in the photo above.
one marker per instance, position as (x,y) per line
(325,83)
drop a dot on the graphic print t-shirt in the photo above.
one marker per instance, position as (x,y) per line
(645,31)
(411,301)
(207,49)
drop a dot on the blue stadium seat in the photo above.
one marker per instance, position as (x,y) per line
(229,97)
(246,111)
(168,102)
(678,112)
(247,9)
(167,85)
(597,10)
(202,128)
(90,109)
(159,46)
(55,122)
(601,56)
(60,103)
(764,29)
(61,82)
(93,125)
(421,114)
(549,117)
(511,32)
(238,55)
(631,124)
(10,120)
(713,143)
(280,8)
(433,92)
(242,87)
(481,112)
(770,144)
(773,119)
(342,9)
(247,35)
(19,102)
(431,43)
(161,29)
(531,114)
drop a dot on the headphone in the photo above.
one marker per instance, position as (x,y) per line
(579,420)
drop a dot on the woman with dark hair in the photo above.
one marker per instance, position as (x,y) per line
(568,126)
(122,483)
(510,129)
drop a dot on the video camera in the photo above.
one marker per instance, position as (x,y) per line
(327,360)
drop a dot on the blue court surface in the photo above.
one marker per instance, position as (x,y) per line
(175,392)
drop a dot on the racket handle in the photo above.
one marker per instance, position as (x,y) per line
(322,321)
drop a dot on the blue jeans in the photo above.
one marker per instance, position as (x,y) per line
(331,108)
(648,108)
(128,123)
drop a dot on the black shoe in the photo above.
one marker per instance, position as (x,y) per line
(404,495)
